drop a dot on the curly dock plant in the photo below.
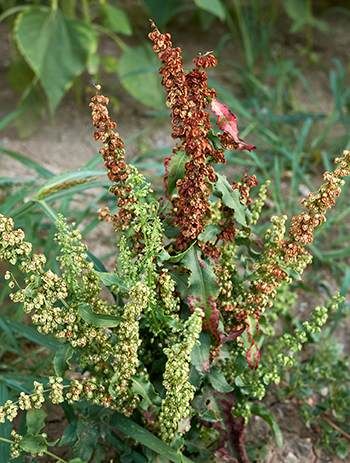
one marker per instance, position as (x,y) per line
(178,341)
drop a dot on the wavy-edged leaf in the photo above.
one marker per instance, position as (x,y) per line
(202,280)
(218,381)
(98,320)
(231,198)
(146,390)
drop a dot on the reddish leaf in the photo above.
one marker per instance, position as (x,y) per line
(227,122)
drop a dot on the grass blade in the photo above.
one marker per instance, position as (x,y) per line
(42,171)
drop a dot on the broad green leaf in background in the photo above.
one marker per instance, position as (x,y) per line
(115,19)
(214,7)
(231,198)
(202,281)
(138,73)
(56,48)
(162,11)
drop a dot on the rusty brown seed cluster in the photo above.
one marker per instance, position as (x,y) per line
(188,96)
(113,152)
(292,251)
(316,204)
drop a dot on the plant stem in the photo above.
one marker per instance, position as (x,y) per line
(6,441)
(57,458)
(336,427)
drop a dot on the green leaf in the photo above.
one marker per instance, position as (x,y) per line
(76,460)
(342,449)
(32,334)
(138,73)
(130,429)
(218,380)
(98,320)
(33,444)
(176,170)
(200,353)
(214,7)
(300,12)
(210,232)
(61,359)
(35,421)
(202,280)
(179,257)
(146,390)
(111,279)
(231,198)
(268,417)
(115,19)
(42,171)
(55,47)
(163,10)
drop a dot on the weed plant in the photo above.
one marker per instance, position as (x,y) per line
(170,354)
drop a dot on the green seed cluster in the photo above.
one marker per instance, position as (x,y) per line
(280,355)
(125,361)
(175,408)
(258,203)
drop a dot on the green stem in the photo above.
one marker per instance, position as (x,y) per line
(57,458)
(121,44)
(86,11)
(6,441)
(49,211)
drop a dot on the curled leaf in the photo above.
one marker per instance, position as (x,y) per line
(227,122)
